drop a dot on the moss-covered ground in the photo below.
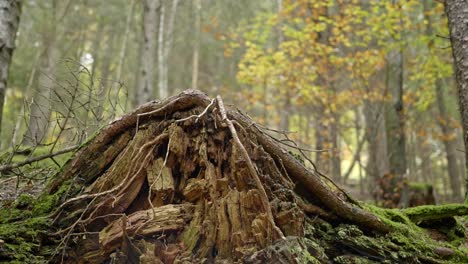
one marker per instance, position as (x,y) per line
(25,227)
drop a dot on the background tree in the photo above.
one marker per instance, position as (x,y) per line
(152,11)
(457,13)
(10,12)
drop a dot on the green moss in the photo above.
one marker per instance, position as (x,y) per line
(8,215)
(392,217)
(302,248)
(419,186)
(24,201)
(413,240)
(23,240)
(45,205)
(298,157)
(424,212)
(352,260)
(47,202)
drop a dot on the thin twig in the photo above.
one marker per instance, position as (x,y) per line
(197,116)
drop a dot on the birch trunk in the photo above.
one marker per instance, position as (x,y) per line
(148,54)
(10,12)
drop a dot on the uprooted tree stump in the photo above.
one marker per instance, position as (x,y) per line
(185,180)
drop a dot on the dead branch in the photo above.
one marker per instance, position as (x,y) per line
(9,167)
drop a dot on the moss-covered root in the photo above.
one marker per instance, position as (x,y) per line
(434,212)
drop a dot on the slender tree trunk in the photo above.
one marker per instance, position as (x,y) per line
(425,152)
(104,83)
(123,48)
(10,12)
(335,165)
(376,137)
(165,47)
(27,94)
(41,105)
(395,122)
(163,93)
(395,117)
(284,113)
(457,13)
(449,144)
(148,55)
(284,110)
(41,101)
(322,158)
(196,44)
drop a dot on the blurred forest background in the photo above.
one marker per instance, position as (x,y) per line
(366,88)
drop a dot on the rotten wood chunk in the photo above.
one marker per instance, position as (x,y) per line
(166,218)
(195,189)
(161,183)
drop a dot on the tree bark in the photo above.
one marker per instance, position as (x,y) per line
(145,87)
(10,12)
(457,13)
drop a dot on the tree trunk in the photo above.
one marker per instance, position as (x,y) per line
(449,144)
(40,110)
(322,156)
(104,82)
(335,141)
(165,47)
(10,12)
(457,13)
(196,44)
(377,164)
(145,88)
(395,124)
(39,115)
(163,93)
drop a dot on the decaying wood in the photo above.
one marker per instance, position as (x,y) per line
(146,222)
(185,179)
